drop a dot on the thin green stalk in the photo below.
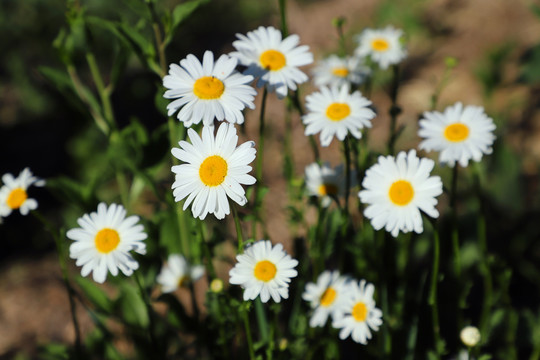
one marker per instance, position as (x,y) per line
(65,277)
(455,232)
(394,110)
(248,334)
(347,154)
(262,320)
(258,203)
(295,100)
(338,23)
(104,92)
(433,291)
(239,234)
(150,313)
(207,253)
(283,17)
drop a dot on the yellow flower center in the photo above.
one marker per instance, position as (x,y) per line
(328,189)
(16,198)
(401,192)
(208,88)
(213,170)
(340,72)
(359,311)
(107,240)
(328,297)
(456,132)
(265,270)
(272,60)
(338,111)
(380,45)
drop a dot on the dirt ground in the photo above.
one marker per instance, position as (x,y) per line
(34,306)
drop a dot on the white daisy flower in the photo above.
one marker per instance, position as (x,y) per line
(177,272)
(382,46)
(214,169)
(335,112)
(208,90)
(396,189)
(326,296)
(336,71)
(325,182)
(104,241)
(14,193)
(459,134)
(360,315)
(264,270)
(273,60)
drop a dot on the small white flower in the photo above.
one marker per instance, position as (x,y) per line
(326,296)
(14,193)
(396,189)
(470,336)
(177,273)
(325,182)
(335,112)
(208,90)
(214,169)
(264,270)
(382,46)
(104,241)
(272,60)
(459,134)
(336,71)
(360,315)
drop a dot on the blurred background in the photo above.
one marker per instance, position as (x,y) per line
(496,44)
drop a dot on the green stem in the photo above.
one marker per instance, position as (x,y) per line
(207,253)
(347,153)
(104,92)
(455,232)
(257,205)
(65,277)
(239,234)
(394,110)
(150,313)
(295,99)
(248,334)
(283,18)
(262,321)
(433,292)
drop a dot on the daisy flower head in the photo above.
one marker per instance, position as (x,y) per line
(326,296)
(360,316)
(208,90)
(334,112)
(14,193)
(271,59)
(396,189)
(104,240)
(383,46)
(214,169)
(459,134)
(340,71)
(326,182)
(264,270)
(177,272)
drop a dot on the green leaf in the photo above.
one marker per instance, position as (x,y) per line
(131,306)
(95,294)
(60,79)
(54,352)
(179,14)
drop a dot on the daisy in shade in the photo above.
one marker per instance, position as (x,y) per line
(326,296)
(326,182)
(360,316)
(264,270)
(208,90)
(382,46)
(397,189)
(336,71)
(103,242)
(459,134)
(177,272)
(335,112)
(14,193)
(273,60)
(214,169)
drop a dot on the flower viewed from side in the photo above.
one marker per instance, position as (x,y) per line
(326,296)
(264,270)
(214,169)
(177,272)
(459,134)
(325,182)
(382,46)
(360,316)
(336,71)
(208,90)
(396,189)
(273,60)
(104,241)
(335,112)
(14,193)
